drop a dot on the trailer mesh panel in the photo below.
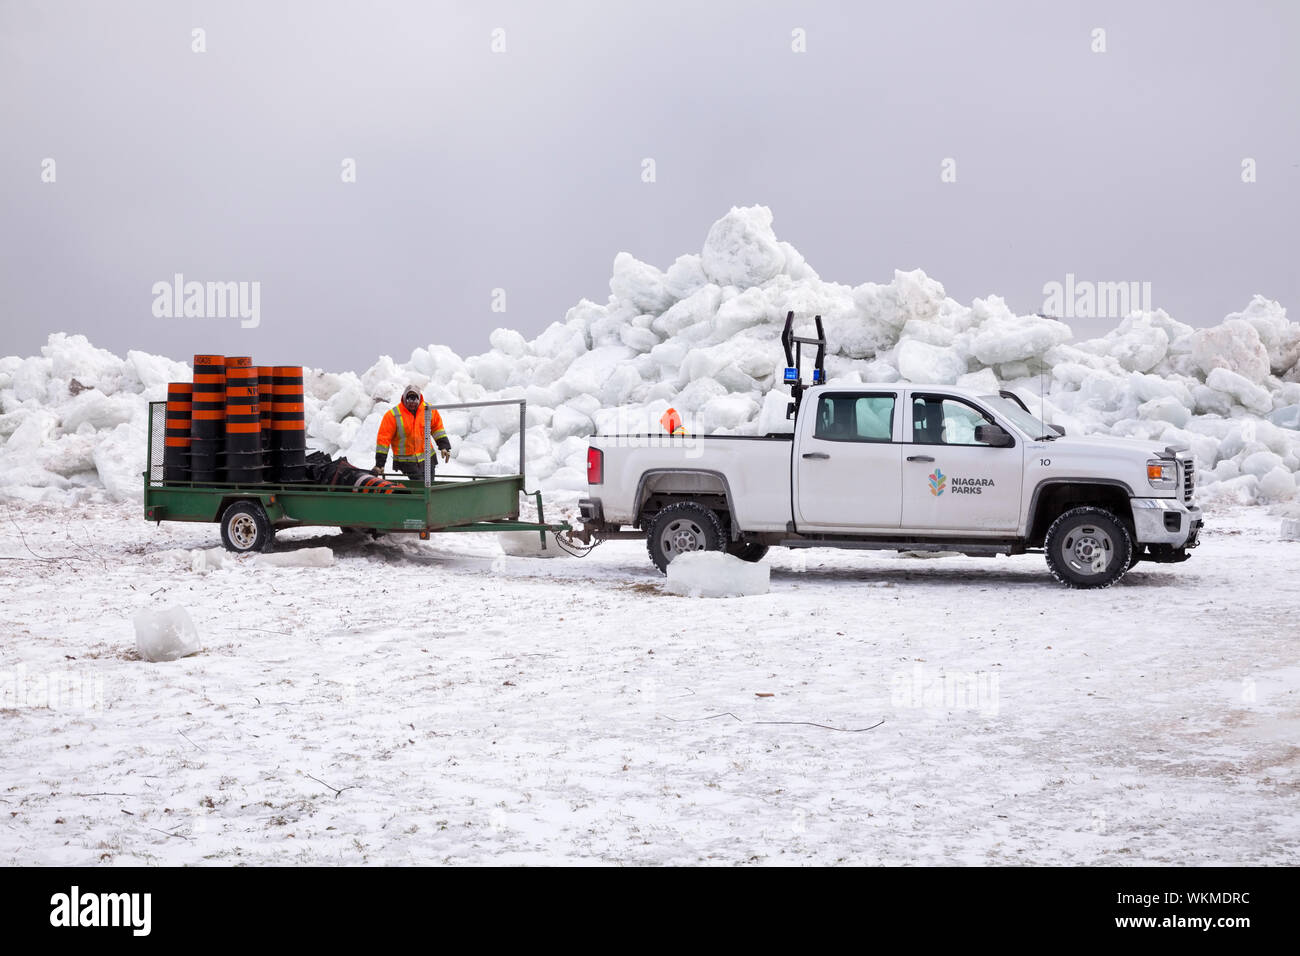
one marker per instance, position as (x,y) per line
(157,440)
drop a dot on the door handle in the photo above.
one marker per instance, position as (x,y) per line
(818,455)
(919,458)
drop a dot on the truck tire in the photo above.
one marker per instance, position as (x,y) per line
(747,550)
(245,528)
(681,527)
(1088,547)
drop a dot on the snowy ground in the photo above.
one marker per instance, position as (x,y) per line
(470,707)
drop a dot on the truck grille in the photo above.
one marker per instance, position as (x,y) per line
(1189,478)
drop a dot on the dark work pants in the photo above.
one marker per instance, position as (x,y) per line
(413,469)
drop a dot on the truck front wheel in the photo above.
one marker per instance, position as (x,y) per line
(1088,547)
(679,528)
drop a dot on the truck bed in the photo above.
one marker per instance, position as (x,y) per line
(756,470)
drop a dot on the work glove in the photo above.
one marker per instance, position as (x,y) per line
(446,454)
(377,471)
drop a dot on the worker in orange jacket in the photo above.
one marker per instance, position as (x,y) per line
(402,430)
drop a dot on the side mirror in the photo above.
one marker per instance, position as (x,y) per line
(789,409)
(1058,429)
(992,435)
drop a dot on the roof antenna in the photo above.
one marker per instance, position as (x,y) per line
(1042,375)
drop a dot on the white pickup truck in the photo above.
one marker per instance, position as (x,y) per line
(899,467)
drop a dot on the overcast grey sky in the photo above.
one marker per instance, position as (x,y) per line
(522,170)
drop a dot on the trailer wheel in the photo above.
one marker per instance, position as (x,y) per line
(245,528)
(750,551)
(1088,547)
(685,526)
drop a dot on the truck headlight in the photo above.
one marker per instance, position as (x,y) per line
(1162,475)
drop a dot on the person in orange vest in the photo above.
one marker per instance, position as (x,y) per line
(402,430)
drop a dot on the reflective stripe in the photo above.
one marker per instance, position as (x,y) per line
(400,443)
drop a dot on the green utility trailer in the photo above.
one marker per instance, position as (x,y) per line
(249,514)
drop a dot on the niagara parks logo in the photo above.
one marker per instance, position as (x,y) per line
(939,483)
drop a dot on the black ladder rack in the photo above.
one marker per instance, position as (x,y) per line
(793,345)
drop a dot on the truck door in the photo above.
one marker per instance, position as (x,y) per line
(951,482)
(848,462)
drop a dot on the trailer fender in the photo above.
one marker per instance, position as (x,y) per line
(273,508)
(270,505)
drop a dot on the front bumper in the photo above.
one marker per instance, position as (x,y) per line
(1166,521)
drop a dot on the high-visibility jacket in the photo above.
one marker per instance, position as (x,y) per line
(404,434)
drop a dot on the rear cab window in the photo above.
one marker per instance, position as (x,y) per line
(855,417)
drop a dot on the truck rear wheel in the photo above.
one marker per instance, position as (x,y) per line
(1088,547)
(245,528)
(679,528)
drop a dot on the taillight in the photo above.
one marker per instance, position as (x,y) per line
(595,466)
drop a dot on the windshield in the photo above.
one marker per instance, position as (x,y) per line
(1026,422)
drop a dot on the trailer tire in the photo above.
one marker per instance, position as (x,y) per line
(681,527)
(750,551)
(245,528)
(1088,547)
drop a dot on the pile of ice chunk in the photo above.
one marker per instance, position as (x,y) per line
(703,337)
(716,574)
(204,560)
(528,544)
(166,635)
(298,558)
